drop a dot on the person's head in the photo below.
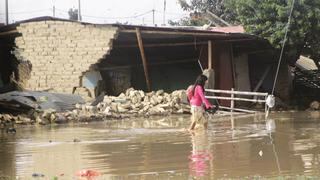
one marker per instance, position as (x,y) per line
(201,81)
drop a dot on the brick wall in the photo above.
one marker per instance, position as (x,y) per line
(60,52)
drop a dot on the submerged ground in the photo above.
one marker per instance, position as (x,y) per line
(284,145)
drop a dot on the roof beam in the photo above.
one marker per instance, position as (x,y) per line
(144,59)
(177,33)
(180,44)
(9,32)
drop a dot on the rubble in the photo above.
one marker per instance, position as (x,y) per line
(132,103)
(314,105)
(139,103)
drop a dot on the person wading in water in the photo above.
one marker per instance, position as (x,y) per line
(197,99)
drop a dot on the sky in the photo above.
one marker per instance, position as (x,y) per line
(136,12)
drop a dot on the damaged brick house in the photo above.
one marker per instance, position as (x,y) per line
(71,57)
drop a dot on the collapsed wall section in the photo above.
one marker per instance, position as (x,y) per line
(58,53)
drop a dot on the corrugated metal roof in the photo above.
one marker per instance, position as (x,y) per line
(308,78)
(229,29)
(228,32)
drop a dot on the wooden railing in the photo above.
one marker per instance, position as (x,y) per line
(251,97)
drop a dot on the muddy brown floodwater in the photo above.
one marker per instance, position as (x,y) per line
(243,147)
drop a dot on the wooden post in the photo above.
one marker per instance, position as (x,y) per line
(209,54)
(232,101)
(266,108)
(232,122)
(263,77)
(144,59)
(233,66)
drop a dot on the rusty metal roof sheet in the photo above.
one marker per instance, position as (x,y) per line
(39,100)
(164,30)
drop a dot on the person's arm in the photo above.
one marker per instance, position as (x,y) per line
(199,90)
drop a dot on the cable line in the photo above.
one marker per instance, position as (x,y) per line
(282,48)
(27,12)
(270,99)
(100,17)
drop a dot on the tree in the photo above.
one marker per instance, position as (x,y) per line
(205,11)
(73,14)
(268,19)
(194,19)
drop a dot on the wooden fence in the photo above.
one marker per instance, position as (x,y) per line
(257,97)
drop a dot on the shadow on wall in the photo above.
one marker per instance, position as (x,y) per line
(8,70)
(175,76)
(166,77)
(115,81)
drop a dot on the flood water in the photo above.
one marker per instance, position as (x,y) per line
(245,147)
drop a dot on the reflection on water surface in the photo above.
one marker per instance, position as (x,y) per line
(286,145)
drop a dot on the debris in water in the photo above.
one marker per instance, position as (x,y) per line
(11,130)
(87,173)
(37,175)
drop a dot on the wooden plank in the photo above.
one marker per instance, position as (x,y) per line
(264,75)
(153,45)
(180,33)
(233,66)
(232,101)
(237,92)
(237,109)
(164,44)
(209,54)
(9,32)
(150,64)
(144,59)
(237,99)
(232,121)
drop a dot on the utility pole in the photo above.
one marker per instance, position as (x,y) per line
(79,11)
(164,12)
(54,11)
(153,16)
(53,8)
(7,13)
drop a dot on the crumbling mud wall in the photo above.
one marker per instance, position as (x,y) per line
(60,52)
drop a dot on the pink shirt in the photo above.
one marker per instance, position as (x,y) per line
(198,98)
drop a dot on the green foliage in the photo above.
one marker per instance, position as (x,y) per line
(199,9)
(268,19)
(195,19)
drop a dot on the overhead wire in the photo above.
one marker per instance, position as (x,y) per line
(65,12)
(280,57)
(171,13)
(28,12)
(282,48)
(101,17)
